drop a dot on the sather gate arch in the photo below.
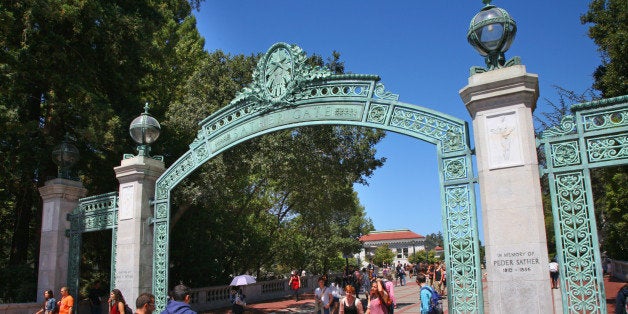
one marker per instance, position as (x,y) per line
(287,93)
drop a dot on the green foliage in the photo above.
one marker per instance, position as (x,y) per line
(610,33)
(83,68)
(420,256)
(611,202)
(284,189)
(383,254)
(433,240)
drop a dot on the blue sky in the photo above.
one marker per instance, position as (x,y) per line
(420,51)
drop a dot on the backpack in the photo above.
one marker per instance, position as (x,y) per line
(127,309)
(436,305)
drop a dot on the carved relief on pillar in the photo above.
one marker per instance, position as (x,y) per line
(503,140)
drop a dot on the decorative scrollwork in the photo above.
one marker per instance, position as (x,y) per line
(278,77)
(454,169)
(160,263)
(607,148)
(94,213)
(448,133)
(605,119)
(465,292)
(576,225)
(382,93)
(567,125)
(565,154)
(377,114)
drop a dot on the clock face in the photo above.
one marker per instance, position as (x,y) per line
(278,73)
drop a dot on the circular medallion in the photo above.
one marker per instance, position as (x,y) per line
(278,73)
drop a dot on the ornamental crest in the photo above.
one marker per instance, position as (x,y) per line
(278,73)
(278,78)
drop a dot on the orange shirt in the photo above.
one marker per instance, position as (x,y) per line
(66,304)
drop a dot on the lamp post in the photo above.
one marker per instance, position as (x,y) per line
(144,130)
(65,155)
(491,33)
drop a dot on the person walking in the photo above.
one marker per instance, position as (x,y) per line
(145,303)
(49,303)
(238,300)
(350,304)
(295,283)
(66,303)
(180,302)
(378,299)
(117,304)
(323,297)
(425,294)
(620,300)
(553,269)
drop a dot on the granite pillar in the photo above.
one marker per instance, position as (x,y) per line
(60,197)
(134,245)
(501,103)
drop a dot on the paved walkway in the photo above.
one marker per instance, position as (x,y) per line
(407,301)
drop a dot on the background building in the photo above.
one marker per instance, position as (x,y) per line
(402,242)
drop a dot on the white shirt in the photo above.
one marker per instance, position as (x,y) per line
(325,295)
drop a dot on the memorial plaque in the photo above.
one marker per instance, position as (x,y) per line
(503,140)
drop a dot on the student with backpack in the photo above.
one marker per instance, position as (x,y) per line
(430,300)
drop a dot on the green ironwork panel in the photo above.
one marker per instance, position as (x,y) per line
(451,135)
(579,260)
(74,262)
(607,148)
(464,278)
(94,213)
(160,263)
(565,154)
(604,118)
(594,135)
(456,168)
(114,252)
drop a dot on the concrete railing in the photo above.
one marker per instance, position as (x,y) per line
(619,269)
(19,308)
(203,299)
(211,298)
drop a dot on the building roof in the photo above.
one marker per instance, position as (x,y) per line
(439,248)
(404,234)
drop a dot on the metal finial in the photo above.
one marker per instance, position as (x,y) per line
(486,2)
(146,107)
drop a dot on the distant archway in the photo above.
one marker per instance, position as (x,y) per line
(287,93)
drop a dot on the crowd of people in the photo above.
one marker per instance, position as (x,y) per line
(178,303)
(343,295)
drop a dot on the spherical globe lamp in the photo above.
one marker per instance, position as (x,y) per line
(144,131)
(65,155)
(491,33)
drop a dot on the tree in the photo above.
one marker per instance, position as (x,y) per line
(433,240)
(383,255)
(81,68)
(423,256)
(287,188)
(610,33)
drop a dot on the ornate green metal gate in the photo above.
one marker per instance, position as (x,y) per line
(286,93)
(596,135)
(94,213)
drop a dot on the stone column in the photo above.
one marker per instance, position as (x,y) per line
(60,197)
(501,103)
(134,244)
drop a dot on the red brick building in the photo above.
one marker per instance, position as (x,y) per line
(402,242)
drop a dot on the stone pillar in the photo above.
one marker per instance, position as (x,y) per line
(134,243)
(60,197)
(501,103)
